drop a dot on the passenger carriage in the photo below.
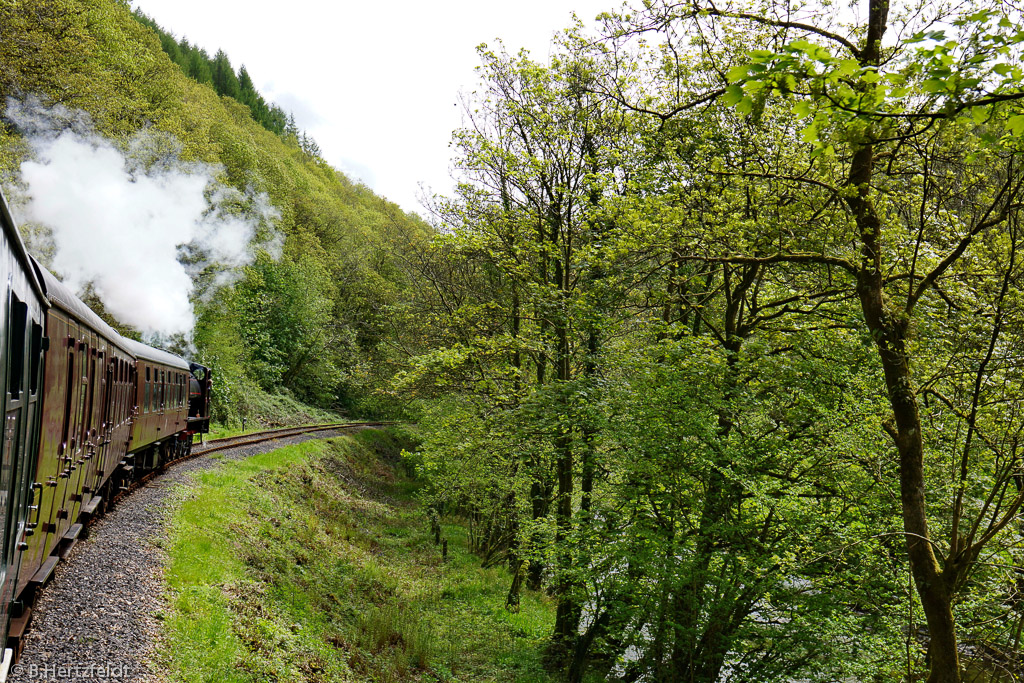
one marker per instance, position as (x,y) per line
(86,412)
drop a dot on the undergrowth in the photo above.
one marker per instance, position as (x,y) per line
(263,410)
(266,411)
(314,563)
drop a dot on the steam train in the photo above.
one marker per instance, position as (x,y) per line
(86,412)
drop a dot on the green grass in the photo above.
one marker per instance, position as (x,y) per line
(220,431)
(313,563)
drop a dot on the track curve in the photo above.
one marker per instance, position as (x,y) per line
(227,442)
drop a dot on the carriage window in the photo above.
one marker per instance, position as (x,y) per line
(115,389)
(91,386)
(74,388)
(123,394)
(68,398)
(85,385)
(149,392)
(122,377)
(16,369)
(107,407)
(112,391)
(37,355)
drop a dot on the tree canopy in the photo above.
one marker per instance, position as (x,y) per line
(733,288)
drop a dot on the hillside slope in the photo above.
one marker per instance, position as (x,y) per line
(311,323)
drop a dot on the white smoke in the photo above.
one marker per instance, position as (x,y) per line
(134,220)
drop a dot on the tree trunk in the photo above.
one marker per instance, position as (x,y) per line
(515,590)
(699,646)
(888,327)
(540,489)
(567,614)
(540,497)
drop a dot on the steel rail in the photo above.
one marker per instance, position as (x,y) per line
(227,442)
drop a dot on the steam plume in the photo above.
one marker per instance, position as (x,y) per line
(134,220)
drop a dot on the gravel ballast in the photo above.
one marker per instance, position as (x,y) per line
(98,618)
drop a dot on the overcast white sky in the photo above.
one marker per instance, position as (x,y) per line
(376,85)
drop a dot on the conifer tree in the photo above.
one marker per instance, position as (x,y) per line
(291,129)
(247,94)
(224,80)
(184,54)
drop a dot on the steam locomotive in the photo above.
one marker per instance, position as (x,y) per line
(86,412)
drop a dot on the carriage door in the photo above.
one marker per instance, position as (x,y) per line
(15,465)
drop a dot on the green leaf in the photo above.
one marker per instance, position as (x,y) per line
(802,109)
(1016,125)
(802,45)
(738,73)
(934,85)
(847,67)
(733,94)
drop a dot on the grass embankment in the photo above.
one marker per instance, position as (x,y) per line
(269,411)
(314,563)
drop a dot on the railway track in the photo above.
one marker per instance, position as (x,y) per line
(259,437)
(250,439)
